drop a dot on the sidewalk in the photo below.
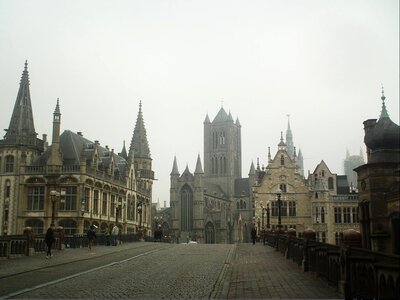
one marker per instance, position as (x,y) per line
(260,272)
(21,264)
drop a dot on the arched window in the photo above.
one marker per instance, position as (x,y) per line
(282,160)
(70,226)
(9,168)
(36,225)
(186,208)
(210,233)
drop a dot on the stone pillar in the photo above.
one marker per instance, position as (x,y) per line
(30,248)
(61,233)
(291,233)
(308,235)
(351,238)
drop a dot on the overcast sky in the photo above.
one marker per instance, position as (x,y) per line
(322,62)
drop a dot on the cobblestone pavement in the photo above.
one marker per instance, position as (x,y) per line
(164,271)
(260,272)
(177,272)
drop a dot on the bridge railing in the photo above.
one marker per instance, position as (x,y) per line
(356,273)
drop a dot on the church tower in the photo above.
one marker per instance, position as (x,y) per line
(19,148)
(139,152)
(222,150)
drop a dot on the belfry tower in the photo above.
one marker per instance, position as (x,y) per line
(222,150)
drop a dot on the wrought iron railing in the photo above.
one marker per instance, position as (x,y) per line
(357,273)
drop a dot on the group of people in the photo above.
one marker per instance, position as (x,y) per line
(111,237)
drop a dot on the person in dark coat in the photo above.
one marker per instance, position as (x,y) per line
(254,234)
(91,235)
(49,240)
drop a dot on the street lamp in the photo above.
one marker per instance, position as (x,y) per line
(139,210)
(268,215)
(53,196)
(279,194)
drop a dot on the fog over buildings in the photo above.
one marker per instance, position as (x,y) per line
(321,62)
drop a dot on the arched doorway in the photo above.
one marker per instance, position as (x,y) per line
(210,233)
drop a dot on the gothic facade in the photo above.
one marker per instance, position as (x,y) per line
(214,205)
(74,182)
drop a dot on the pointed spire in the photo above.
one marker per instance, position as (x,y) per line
(207,120)
(269,154)
(175,168)
(281,145)
(237,122)
(347,153)
(123,152)
(384,113)
(258,164)
(230,117)
(252,169)
(199,168)
(57,110)
(289,139)
(139,142)
(22,129)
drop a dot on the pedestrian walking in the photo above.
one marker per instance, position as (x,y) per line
(49,240)
(108,233)
(114,235)
(254,234)
(91,235)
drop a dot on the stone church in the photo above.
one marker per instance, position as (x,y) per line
(73,182)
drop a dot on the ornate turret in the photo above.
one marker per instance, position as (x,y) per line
(382,137)
(175,170)
(199,168)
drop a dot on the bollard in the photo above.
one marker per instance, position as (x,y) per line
(308,235)
(291,233)
(61,233)
(351,238)
(30,249)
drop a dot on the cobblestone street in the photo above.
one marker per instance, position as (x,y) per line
(157,270)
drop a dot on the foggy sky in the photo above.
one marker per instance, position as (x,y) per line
(322,62)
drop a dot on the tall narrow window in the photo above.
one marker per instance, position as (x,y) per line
(96,202)
(186,208)
(112,206)
(346,215)
(338,215)
(282,160)
(292,208)
(104,205)
(36,198)
(322,215)
(9,164)
(70,198)
(284,208)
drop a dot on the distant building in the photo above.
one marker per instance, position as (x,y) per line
(323,202)
(214,205)
(349,164)
(379,182)
(74,182)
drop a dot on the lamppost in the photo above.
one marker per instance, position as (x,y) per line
(268,215)
(53,196)
(279,194)
(140,210)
